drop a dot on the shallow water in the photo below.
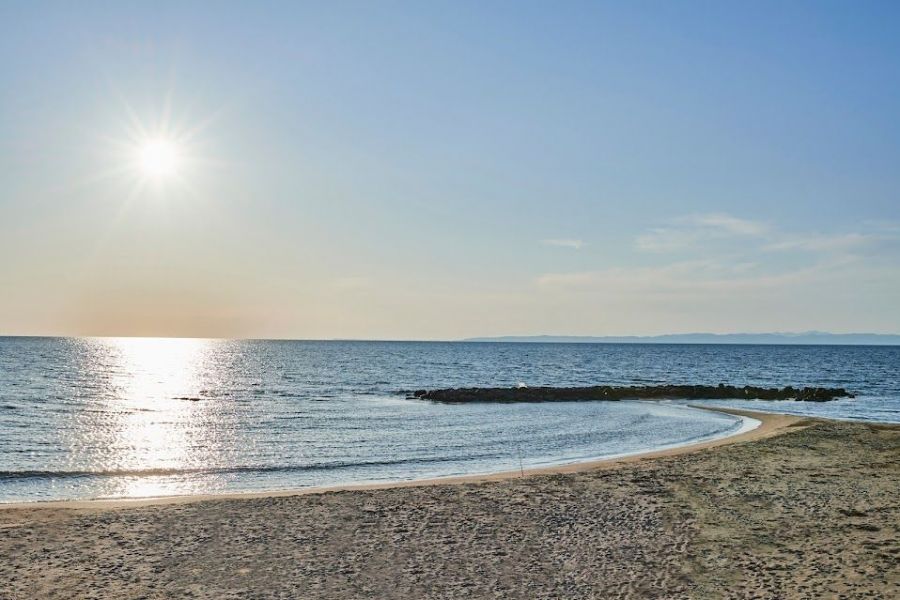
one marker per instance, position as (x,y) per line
(88,418)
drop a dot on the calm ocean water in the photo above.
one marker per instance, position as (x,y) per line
(89,418)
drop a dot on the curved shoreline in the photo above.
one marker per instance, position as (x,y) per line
(770,424)
(685,526)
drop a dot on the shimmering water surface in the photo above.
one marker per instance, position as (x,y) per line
(89,418)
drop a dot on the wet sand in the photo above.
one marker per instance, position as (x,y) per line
(797,508)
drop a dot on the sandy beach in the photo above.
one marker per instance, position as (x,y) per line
(449,300)
(797,508)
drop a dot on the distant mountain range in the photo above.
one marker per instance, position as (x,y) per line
(809,337)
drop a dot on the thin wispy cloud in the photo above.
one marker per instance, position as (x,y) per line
(725,223)
(687,277)
(690,230)
(825,243)
(575,244)
(661,239)
(726,261)
(617,278)
(719,232)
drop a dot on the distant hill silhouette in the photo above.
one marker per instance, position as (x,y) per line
(811,337)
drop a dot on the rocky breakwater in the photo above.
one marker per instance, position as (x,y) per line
(606,392)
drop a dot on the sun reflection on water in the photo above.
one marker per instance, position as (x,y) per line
(161,424)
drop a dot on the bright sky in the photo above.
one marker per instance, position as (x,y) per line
(448,169)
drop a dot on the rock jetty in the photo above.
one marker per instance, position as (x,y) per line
(606,392)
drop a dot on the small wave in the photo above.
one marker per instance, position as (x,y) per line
(162,472)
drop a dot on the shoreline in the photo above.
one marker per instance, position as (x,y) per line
(770,424)
(795,509)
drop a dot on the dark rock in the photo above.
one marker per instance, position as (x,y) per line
(604,392)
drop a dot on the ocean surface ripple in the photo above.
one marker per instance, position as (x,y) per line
(135,417)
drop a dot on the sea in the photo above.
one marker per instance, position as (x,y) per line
(86,418)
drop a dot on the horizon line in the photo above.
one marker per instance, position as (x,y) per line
(510,338)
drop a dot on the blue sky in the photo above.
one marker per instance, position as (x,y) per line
(442,170)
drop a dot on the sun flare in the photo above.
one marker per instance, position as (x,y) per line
(158,158)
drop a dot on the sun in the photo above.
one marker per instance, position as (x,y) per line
(158,158)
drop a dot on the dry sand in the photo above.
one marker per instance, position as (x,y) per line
(798,508)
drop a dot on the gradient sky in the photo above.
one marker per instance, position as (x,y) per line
(449,169)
